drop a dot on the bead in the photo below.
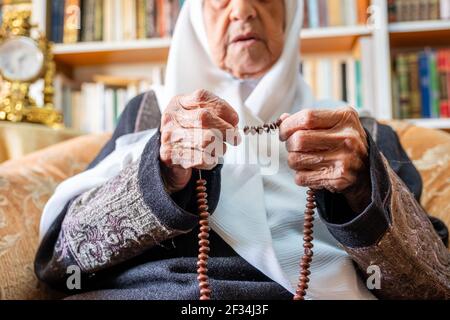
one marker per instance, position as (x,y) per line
(203,235)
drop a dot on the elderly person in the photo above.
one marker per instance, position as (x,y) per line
(130,223)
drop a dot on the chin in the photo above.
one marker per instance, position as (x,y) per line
(248,67)
(250,71)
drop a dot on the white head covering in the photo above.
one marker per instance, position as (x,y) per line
(190,67)
(259,216)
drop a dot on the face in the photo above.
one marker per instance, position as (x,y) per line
(246,37)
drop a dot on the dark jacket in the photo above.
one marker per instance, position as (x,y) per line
(132,240)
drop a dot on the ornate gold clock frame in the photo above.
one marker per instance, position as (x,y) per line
(18,106)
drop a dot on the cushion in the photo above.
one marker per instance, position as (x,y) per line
(25,187)
(430,151)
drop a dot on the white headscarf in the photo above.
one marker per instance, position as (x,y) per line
(190,67)
(259,216)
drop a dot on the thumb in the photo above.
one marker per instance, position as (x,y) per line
(284,116)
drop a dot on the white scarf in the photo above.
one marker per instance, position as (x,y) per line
(259,215)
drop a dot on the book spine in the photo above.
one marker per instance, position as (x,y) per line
(392,11)
(413,66)
(140,18)
(350,14)
(323,13)
(72,23)
(443,89)
(434,86)
(334,13)
(414,10)
(445,9)
(88,18)
(305,15)
(447,66)
(363,5)
(424,71)
(161,17)
(99,20)
(434,10)
(404,89)
(151,18)
(424,9)
(107,16)
(313,14)
(359,85)
(58,21)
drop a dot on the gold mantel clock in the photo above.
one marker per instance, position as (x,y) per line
(25,58)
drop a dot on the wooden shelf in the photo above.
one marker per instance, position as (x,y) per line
(420,33)
(337,39)
(101,53)
(431,123)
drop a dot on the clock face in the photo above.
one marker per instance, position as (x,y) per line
(20,59)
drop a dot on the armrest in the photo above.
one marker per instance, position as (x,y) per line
(25,186)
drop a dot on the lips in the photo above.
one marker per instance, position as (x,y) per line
(245,38)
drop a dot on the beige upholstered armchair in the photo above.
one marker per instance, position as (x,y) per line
(26,185)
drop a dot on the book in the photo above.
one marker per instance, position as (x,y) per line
(140,19)
(434,85)
(415,10)
(350,15)
(88,20)
(414,85)
(444,99)
(362,10)
(313,13)
(335,13)
(445,9)
(425,83)
(72,21)
(323,13)
(151,13)
(404,86)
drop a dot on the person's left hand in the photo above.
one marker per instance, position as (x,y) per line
(328,149)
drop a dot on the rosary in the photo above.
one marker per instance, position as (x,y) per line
(203,235)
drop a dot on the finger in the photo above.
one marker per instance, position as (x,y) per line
(202,99)
(325,140)
(205,119)
(313,119)
(322,179)
(188,158)
(195,138)
(284,116)
(326,179)
(299,161)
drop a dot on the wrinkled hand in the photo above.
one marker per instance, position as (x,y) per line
(328,150)
(194,130)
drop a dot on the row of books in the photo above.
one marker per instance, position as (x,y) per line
(421,84)
(345,78)
(74,21)
(415,10)
(97,105)
(333,13)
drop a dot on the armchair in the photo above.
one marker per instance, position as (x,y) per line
(27,183)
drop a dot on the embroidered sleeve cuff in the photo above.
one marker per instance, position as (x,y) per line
(359,229)
(176,211)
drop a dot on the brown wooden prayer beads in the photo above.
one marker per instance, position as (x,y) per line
(268,128)
(203,236)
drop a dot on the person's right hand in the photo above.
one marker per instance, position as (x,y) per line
(194,130)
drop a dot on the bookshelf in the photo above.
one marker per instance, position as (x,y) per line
(97,53)
(339,39)
(386,39)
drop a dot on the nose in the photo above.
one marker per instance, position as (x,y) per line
(242,10)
